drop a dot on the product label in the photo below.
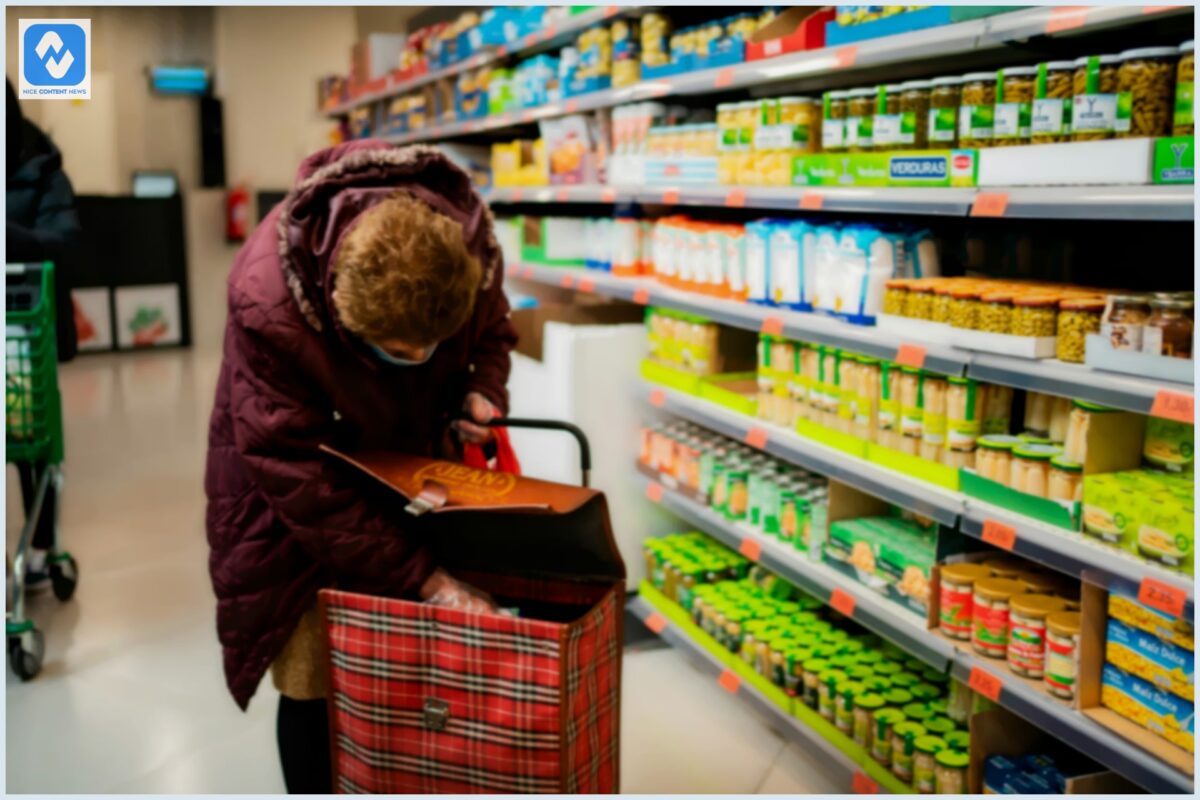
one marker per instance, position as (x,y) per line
(1174,159)
(1183,103)
(976,122)
(729,140)
(933,428)
(1060,665)
(756,269)
(887,129)
(990,635)
(910,420)
(852,132)
(955,614)
(1124,119)
(1027,644)
(1094,113)
(833,133)
(862,727)
(1050,116)
(908,127)
(961,434)
(1152,342)
(1011,121)
(942,124)
(923,774)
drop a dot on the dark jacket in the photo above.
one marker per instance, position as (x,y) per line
(40,213)
(284,520)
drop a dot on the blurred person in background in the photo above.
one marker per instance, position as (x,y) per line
(365,312)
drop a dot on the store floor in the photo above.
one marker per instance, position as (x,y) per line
(132,698)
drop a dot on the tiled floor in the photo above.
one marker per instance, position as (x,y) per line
(132,697)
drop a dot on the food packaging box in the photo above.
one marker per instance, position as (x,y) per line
(1100,354)
(1174,160)
(1103,163)
(1158,711)
(1123,605)
(1147,513)
(1159,663)
(927,17)
(557,241)
(796,28)
(902,168)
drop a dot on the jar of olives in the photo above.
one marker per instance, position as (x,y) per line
(942,125)
(1014,104)
(1077,317)
(1145,87)
(942,300)
(919,303)
(860,119)
(1094,98)
(833,122)
(914,114)
(996,311)
(1035,315)
(1051,115)
(976,111)
(964,308)
(895,291)
(1184,77)
(887,119)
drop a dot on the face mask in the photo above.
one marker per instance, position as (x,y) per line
(395,361)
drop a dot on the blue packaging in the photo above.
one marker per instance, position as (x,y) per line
(786,281)
(997,770)
(758,260)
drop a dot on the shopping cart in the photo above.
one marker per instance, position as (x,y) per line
(425,699)
(34,442)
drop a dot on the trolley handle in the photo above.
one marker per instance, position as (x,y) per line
(585,451)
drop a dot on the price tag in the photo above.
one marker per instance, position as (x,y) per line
(654,492)
(1179,406)
(608,196)
(528,115)
(724,78)
(568,281)
(736,198)
(772,326)
(656,622)
(730,681)
(910,355)
(812,201)
(518,195)
(531,40)
(513,269)
(990,204)
(861,784)
(501,51)
(756,438)
(549,32)
(846,56)
(985,683)
(670,197)
(587,285)
(1157,9)
(528,274)
(751,548)
(658,398)
(562,195)
(1164,597)
(999,534)
(842,602)
(641,297)
(772,48)
(572,106)
(1064,18)
(611,11)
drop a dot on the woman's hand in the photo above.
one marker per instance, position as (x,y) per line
(481,410)
(442,590)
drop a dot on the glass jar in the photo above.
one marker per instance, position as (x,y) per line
(1184,77)
(963,417)
(904,740)
(1066,480)
(990,610)
(997,414)
(886,719)
(887,127)
(830,679)
(1146,91)
(1062,653)
(1060,419)
(912,409)
(799,115)
(1035,315)
(996,311)
(810,690)
(860,119)
(1027,632)
(895,293)
(993,458)
(919,302)
(1076,319)
(1051,115)
(925,764)
(955,607)
(1014,105)
(1168,331)
(914,115)
(977,108)
(1075,442)
(843,718)
(942,125)
(867,398)
(865,707)
(1031,468)
(833,122)
(950,772)
(1124,320)
(942,301)
(1094,98)
(964,308)
(933,417)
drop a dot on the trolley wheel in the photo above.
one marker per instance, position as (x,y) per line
(25,653)
(64,576)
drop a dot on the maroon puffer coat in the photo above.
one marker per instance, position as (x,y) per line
(283,520)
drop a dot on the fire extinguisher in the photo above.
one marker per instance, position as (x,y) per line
(237,213)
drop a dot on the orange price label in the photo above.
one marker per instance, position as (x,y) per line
(611,11)
(1179,406)
(568,281)
(518,195)
(736,198)
(1166,598)
(587,285)
(772,326)
(756,438)
(751,548)
(641,297)
(910,355)
(724,78)
(772,48)
(572,106)
(656,622)
(730,681)
(654,492)
(985,683)
(531,40)
(528,273)
(528,115)
(658,398)
(842,602)
(513,269)
(502,51)
(549,32)
(999,534)
(608,196)
(861,784)
(1064,18)
(670,197)
(1157,9)
(812,201)
(846,56)
(990,204)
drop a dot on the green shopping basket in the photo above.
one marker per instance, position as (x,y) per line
(32,405)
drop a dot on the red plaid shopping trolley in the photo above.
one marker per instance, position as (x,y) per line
(426,699)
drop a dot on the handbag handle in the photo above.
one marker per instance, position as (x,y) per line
(585,451)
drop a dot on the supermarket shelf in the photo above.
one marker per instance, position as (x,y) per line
(895,487)
(1089,737)
(775,716)
(1138,203)
(1069,551)
(898,625)
(1126,392)
(807,327)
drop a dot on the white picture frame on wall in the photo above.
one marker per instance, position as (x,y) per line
(93,318)
(148,316)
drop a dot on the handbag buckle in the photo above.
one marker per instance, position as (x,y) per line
(437,714)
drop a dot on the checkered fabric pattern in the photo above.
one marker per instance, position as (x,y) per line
(532,705)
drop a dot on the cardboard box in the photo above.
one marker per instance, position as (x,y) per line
(796,28)
(1159,663)
(530,322)
(557,241)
